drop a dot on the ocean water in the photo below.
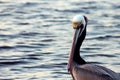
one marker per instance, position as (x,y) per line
(36,36)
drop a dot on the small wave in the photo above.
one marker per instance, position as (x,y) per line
(32,45)
(47,40)
(23,23)
(49,66)
(115,63)
(30,4)
(1,2)
(106,37)
(60,65)
(5,15)
(116,17)
(101,55)
(83,3)
(71,10)
(6,47)
(32,57)
(28,33)
(105,15)
(8,36)
(12,62)
(116,6)
(90,48)
(26,46)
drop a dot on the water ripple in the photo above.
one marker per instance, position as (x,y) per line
(12,62)
(101,55)
(6,47)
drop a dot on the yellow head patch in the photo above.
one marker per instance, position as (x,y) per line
(76,24)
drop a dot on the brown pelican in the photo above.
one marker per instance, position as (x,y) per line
(79,68)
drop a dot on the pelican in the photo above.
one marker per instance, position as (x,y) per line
(78,67)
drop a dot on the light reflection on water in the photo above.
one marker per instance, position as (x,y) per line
(35,37)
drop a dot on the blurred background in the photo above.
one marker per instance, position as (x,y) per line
(36,36)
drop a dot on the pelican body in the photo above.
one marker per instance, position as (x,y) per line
(78,67)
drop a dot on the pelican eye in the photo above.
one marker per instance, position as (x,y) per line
(76,24)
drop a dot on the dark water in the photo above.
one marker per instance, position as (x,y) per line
(35,37)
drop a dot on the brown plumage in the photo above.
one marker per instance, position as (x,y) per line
(80,69)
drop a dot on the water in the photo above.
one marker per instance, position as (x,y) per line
(36,35)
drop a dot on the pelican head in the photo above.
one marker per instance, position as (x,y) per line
(78,20)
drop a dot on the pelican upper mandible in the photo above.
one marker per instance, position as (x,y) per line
(78,67)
